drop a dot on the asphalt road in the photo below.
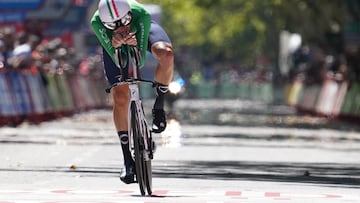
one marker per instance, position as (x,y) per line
(241,152)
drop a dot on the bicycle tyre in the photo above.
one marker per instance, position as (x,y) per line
(138,146)
(148,176)
(147,163)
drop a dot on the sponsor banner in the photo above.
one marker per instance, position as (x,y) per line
(72,21)
(53,9)
(7,107)
(36,92)
(11,17)
(20,4)
(19,88)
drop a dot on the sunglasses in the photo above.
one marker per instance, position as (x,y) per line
(124,21)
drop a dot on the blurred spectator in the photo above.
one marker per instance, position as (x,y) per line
(2,49)
(22,46)
(25,51)
(353,61)
(20,57)
(8,39)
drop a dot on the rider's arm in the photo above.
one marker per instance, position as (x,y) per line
(141,22)
(104,35)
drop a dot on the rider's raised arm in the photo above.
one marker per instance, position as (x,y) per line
(141,23)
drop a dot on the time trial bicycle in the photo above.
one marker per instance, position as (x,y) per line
(142,146)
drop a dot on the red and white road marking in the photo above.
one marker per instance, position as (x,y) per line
(162,196)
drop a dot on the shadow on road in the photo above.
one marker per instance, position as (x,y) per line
(246,113)
(82,171)
(332,174)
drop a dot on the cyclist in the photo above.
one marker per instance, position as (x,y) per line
(113,24)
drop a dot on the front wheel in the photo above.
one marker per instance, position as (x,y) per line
(148,176)
(147,161)
(138,148)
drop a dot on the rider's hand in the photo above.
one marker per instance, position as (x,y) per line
(118,40)
(131,39)
(122,35)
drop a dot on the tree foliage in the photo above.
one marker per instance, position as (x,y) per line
(235,32)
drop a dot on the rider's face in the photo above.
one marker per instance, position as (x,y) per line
(123,30)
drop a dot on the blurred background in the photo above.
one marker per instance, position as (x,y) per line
(301,53)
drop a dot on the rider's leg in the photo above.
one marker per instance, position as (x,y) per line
(162,50)
(120,96)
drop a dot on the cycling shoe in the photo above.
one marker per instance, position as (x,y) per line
(128,174)
(159,120)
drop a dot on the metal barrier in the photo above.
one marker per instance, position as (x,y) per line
(331,99)
(25,97)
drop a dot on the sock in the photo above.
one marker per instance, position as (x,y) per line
(161,90)
(124,140)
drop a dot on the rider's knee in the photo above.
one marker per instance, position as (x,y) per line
(163,51)
(120,96)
